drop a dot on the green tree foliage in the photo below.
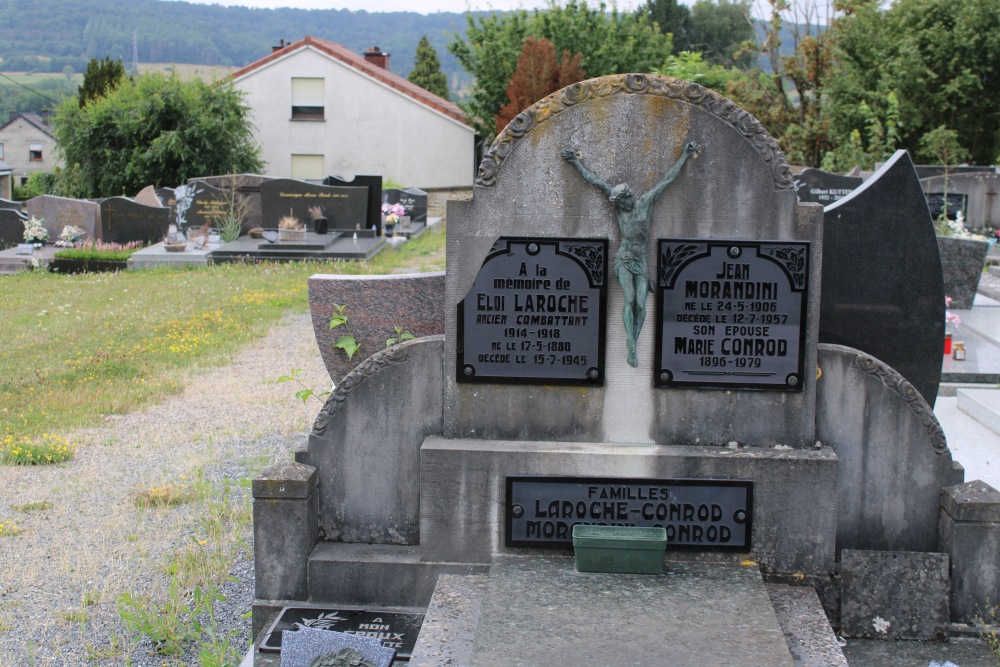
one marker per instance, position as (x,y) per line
(427,70)
(39,96)
(609,43)
(538,74)
(720,29)
(672,17)
(155,130)
(690,66)
(939,57)
(101,77)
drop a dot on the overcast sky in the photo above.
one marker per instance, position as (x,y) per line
(421,6)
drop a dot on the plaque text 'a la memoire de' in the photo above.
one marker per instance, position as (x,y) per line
(698,514)
(536,313)
(731,314)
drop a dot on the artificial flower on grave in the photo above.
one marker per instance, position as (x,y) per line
(34,232)
(950,317)
(392,213)
(70,235)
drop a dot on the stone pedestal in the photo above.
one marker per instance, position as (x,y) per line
(970,534)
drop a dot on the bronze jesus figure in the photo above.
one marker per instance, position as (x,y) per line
(632,214)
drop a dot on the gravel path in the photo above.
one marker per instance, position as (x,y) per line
(61,576)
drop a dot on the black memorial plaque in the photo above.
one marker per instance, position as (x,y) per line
(956,203)
(731,314)
(394,629)
(698,514)
(536,313)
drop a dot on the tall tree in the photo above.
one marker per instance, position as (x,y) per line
(609,43)
(155,130)
(427,70)
(720,29)
(538,74)
(101,77)
(940,58)
(673,18)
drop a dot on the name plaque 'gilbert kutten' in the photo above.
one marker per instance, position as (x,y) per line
(731,314)
(536,313)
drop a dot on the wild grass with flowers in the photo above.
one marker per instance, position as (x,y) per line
(75,349)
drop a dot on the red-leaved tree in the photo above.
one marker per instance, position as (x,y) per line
(538,73)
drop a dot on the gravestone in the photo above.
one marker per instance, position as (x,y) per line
(208,206)
(148,197)
(957,203)
(11,227)
(346,208)
(124,221)
(247,188)
(822,187)
(413,200)
(930,170)
(882,278)
(978,193)
(57,212)
(6,203)
(308,647)
(373,218)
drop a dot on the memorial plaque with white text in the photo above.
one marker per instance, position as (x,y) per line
(731,314)
(536,313)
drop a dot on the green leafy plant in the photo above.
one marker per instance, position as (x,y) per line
(169,625)
(305,393)
(987,622)
(399,337)
(347,342)
(91,250)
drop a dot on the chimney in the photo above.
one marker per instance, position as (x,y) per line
(280,46)
(377,56)
(12,113)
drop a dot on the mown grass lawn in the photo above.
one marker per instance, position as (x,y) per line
(76,348)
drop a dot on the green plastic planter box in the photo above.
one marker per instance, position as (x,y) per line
(619,549)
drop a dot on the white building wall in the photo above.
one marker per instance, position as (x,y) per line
(16,139)
(369,127)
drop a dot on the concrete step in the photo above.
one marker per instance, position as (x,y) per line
(983,405)
(807,630)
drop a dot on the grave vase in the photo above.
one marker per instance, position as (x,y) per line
(321,225)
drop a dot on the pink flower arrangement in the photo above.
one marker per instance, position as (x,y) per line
(950,317)
(392,212)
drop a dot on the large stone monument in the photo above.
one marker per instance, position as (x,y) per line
(454,467)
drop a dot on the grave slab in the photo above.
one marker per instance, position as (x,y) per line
(156,256)
(365,246)
(540,611)
(807,630)
(449,629)
(895,594)
(983,405)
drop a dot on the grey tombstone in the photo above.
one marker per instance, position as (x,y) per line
(148,197)
(413,200)
(373,218)
(124,221)
(978,193)
(822,187)
(883,291)
(345,208)
(11,227)
(58,212)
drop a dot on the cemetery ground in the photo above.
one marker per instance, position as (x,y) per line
(159,390)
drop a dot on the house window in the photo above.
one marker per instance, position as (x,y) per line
(307,99)
(35,151)
(307,167)
(1,150)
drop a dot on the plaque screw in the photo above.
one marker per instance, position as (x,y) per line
(532,248)
(593,374)
(792,381)
(664,376)
(467,370)
(734,251)
(740,516)
(517,511)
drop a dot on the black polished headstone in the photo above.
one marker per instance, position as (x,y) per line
(698,514)
(396,630)
(11,227)
(731,314)
(6,203)
(345,207)
(882,290)
(536,313)
(373,219)
(414,202)
(956,203)
(822,187)
(209,205)
(124,221)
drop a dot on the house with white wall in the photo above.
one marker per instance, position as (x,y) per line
(319,110)
(27,146)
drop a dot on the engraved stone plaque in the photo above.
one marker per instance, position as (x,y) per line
(395,629)
(698,514)
(731,314)
(536,313)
